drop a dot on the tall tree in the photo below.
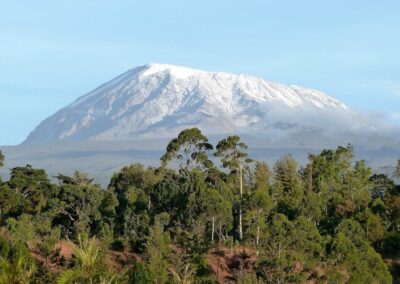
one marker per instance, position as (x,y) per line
(158,252)
(261,176)
(288,188)
(258,206)
(233,156)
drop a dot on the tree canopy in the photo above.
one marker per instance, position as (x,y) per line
(204,216)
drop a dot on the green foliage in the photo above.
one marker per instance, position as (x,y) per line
(16,263)
(89,266)
(261,177)
(360,261)
(32,190)
(331,221)
(158,253)
(79,204)
(288,187)
(232,153)
(286,244)
(190,149)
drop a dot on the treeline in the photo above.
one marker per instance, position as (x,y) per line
(331,221)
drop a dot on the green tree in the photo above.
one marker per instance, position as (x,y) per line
(233,157)
(261,176)
(258,204)
(288,188)
(215,209)
(353,254)
(134,187)
(32,188)
(158,252)
(78,209)
(190,149)
(277,258)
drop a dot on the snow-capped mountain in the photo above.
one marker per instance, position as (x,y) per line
(158,100)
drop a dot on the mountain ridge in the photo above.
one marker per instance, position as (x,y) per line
(159,100)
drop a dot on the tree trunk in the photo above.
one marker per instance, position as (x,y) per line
(213,230)
(149,204)
(241,201)
(258,238)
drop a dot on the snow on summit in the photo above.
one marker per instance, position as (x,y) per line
(159,100)
(176,71)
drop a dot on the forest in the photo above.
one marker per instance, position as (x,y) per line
(207,214)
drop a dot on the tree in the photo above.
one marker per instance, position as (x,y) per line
(261,176)
(190,149)
(78,210)
(373,226)
(32,188)
(288,189)
(215,209)
(233,157)
(276,247)
(258,203)
(232,153)
(381,186)
(133,187)
(352,253)
(158,251)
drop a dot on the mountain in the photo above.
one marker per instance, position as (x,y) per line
(159,100)
(132,117)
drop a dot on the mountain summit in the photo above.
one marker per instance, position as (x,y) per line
(159,100)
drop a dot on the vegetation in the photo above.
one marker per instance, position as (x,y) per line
(204,216)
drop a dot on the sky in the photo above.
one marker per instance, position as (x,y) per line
(52,52)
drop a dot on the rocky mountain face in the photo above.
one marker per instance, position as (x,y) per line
(158,100)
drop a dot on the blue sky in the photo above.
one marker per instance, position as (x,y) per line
(52,52)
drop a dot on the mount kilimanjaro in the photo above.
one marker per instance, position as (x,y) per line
(157,101)
(132,117)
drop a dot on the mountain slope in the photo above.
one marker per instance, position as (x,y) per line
(157,101)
